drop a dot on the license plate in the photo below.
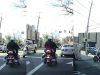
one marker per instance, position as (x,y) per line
(48,60)
(10,61)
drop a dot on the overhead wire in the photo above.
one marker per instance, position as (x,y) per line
(94,28)
(84,15)
(82,5)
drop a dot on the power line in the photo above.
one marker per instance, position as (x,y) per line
(82,5)
(86,17)
(94,28)
(94,25)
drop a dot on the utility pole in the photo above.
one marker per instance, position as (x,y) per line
(37,29)
(86,45)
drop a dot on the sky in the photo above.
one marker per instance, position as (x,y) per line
(52,19)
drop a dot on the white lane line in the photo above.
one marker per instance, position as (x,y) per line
(33,57)
(70,63)
(35,69)
(27,62)
(1,67)
(41,57)
(65,58)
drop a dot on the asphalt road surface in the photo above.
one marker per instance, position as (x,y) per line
(32,65)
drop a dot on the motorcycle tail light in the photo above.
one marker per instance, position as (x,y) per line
(48,51)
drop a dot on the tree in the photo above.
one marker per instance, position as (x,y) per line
(7,39)
(65,4)
(45,37)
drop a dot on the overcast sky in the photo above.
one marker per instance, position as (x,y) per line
(51,18)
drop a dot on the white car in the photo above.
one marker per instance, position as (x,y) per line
(3,48)
(67,49)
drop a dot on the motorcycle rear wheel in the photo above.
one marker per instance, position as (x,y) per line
(49,63)
(11,64)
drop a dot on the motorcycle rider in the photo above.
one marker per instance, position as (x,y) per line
(50,44)
(12,45)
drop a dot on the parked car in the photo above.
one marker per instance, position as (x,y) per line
(3,48)
(1,45)
(92,50)
(67,49)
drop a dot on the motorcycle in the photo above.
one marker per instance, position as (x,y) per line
(10,59)
(96,58)
(48,58)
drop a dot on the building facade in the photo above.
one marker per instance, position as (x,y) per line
(93,39)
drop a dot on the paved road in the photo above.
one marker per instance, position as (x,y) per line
(17,70)
(32,65)
(64,67)
(87,67)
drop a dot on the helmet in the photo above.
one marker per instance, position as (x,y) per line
(49,37)
(12,38)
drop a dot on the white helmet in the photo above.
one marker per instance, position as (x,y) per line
(12,38)
(49,37)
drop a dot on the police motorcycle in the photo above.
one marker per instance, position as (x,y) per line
(11,60)
(48,57)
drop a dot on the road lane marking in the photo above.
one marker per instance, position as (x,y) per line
(35,69)
(27,62)
(64,58)
(77,72)
(70,63)
(33,57)
(41,57)
(1,67)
